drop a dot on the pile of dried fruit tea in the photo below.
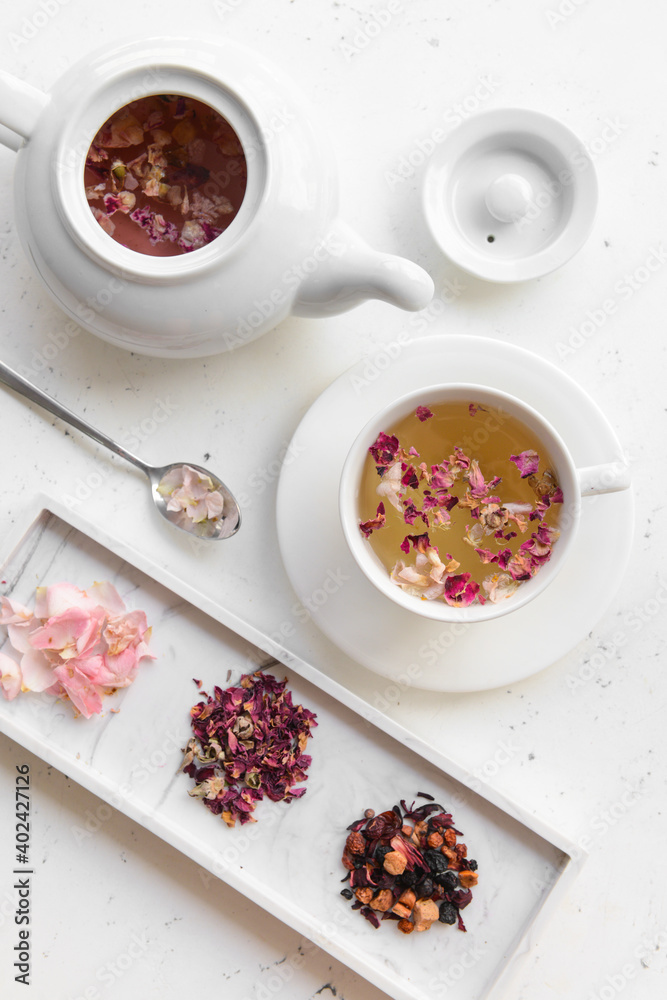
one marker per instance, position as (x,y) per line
(408,866)
(248,742)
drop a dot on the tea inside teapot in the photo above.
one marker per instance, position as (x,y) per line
(165,174)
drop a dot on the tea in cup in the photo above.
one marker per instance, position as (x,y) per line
(461,503)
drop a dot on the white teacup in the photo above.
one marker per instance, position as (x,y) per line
(575,484)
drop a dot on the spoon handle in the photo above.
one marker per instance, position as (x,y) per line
(35,395)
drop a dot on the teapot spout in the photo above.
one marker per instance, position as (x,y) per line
(349,272)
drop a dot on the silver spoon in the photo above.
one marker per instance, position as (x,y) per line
(214,529)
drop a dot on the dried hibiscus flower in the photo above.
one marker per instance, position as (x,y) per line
(249,741)
(407,865)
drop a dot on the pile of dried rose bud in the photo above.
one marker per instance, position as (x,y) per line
(76,644)
(408,866)
(249,742)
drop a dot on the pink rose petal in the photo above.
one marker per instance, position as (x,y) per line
(81,651)
(106,595)
(527,462)
(62,631)
(37,671)
(51,601)
(423,413)
(442,478)
(19,635)
(11,612)
(460,591)
(190,491)
(499,586)
(384,449)
(379,521)
(487,556)
(214,505)
(10,677)
(124,631)
(84,695)
(390,485)
(410,478)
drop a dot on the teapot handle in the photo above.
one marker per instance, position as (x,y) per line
(21,104)
(348,271)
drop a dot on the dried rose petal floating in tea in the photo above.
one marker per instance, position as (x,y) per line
(249,741)
(165,175)
(407,865)
(469,486)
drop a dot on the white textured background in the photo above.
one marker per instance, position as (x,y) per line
(587,736)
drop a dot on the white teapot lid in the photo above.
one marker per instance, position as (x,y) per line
(510,194)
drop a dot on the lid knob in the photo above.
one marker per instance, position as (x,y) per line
(509,197)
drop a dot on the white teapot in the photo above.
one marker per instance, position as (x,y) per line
(285,252)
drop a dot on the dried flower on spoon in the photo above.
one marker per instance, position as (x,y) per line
(75,644)
(249,741)
(407,865)
(193,493)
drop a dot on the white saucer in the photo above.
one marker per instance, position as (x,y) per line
(389,640)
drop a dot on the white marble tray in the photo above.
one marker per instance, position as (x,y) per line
(289,862)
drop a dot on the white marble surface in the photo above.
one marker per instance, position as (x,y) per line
(581,743)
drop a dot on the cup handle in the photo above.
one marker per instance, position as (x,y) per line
(610,478)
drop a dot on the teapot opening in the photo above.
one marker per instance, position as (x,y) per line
(165,175)
(171,178)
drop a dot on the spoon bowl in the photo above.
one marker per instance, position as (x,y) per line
(214,529)
(221,524)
